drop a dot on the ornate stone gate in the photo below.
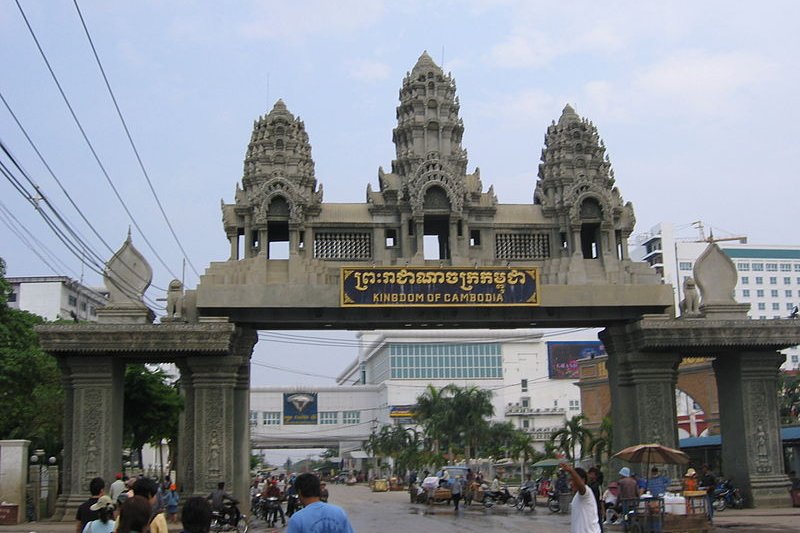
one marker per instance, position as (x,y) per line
(557,260)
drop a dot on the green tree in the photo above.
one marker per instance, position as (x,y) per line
(600,443)
(30,382)
(497,439)
(573,437)
(789,398)
(431,413)
(152,407)
(472,407)
(521,448)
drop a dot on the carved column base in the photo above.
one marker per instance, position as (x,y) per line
(769,491)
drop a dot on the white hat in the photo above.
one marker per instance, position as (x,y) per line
(625,471)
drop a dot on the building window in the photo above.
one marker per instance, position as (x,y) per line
(391,238)
(759,293)
(12,297)
(526,424)
(772,267)
(574,405)
(92,311)
(328,417)
(786,267)
(776,306)
(253,418)
(762,306)
(745,280)
(555,403)
(743,267)
(72,300)
(351,417)
(475,237)
(795,359)
(758,267)
(685,265)
(787,280)
(446,361)
(773,280)
(271,418)
(759,280)
(773,293)
(797,267)
(524,385)
(746,293)
(526,402)
(83,306)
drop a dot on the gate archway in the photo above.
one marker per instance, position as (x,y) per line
(560,260)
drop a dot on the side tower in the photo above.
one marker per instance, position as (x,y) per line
(279,189)
(577,194)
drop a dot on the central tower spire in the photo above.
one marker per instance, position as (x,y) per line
(428,125)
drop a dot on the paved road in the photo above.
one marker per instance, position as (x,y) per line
(373,512)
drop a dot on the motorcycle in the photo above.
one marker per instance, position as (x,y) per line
(552,501)
(273,510)
(726,495)
(230,519)
(502,497)
(526,498)
(293,504)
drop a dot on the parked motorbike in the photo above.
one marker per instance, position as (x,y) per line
(726,495)
(526,498)
(552,501)
(502,497)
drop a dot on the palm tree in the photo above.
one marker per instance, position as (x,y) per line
(431,413)
(601,442)
(573,436)
(522,448)
(472,406)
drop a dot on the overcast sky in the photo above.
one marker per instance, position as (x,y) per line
(696,102)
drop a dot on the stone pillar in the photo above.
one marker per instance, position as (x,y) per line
(642,391)
(241,434)
(248,238)
(94,413)
(186,433)
(405,240)
(210,447)
(419,235)
(13,465)
(752,450)
(263,242)
(234,242)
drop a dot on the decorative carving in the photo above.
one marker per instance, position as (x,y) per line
(716,276)
(175,309)
(690,305)
(127,276)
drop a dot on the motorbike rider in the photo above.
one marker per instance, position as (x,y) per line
(528,489)
(273,491)
(218,497)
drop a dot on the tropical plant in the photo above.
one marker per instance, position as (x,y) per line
(600,443)
(30,381)
(521,448)
(573,438)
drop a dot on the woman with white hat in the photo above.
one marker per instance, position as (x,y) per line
(105,511)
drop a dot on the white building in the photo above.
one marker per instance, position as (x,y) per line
(769,275)
(532,374)
(56,297)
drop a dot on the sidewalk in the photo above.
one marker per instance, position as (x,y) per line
(741,520)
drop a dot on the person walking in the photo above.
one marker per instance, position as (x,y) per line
(85,514)
(171,503)
(105,516)
(456,490)
(316,515)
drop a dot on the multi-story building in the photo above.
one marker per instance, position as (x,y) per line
(531,373)
(769,275)
(56,297)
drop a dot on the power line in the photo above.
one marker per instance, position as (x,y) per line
(130,140)
(89,143)
(81,250)
(20,231)
(41,194)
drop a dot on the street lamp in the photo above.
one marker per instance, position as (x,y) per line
(37,459)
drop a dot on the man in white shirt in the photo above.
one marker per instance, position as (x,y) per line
(583,508)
